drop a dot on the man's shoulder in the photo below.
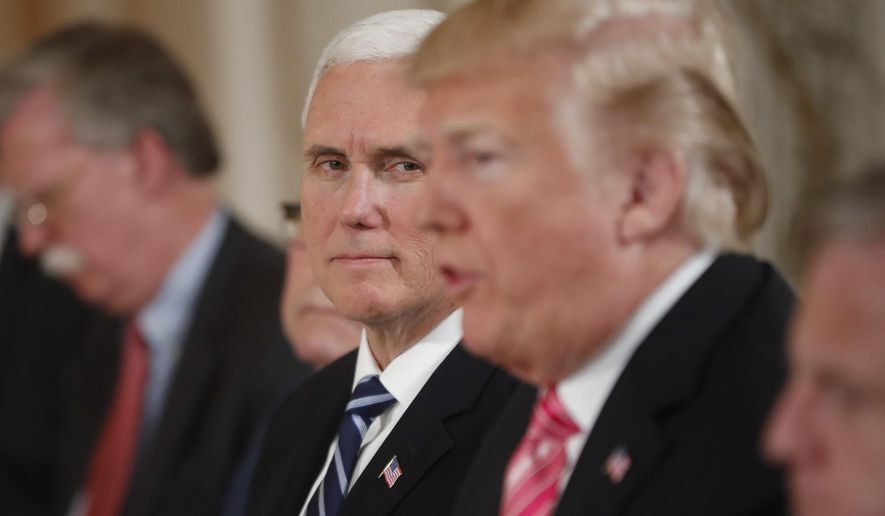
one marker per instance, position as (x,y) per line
(318,391)
(249,250)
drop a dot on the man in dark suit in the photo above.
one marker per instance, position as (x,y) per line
(105,146)
(41,324)
(392,427)
(584,201)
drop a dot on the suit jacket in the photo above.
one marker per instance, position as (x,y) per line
(688,409)
(233,364)
(41,323)
(435,440)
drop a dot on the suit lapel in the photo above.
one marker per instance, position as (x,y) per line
(307,455)
(627,430)
(506,436)
(192,379)
(421,437)
(90,385)
(190,386)
(663,373)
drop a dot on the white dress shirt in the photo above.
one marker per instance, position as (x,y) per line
(584,392)
(403,378)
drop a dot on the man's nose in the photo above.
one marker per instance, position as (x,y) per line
(791,432)
(361,207)
(32,238)
(438,212)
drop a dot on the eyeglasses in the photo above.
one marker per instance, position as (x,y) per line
(34,210)
(291,218)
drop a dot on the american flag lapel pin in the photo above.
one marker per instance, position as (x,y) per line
(618,464)
(391,472)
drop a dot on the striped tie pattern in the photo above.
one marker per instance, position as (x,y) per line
(369,400)
(532,478)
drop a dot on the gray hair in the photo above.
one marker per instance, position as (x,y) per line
(387,35)
(854,208)
(113,82)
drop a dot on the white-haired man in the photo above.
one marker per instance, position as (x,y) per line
(392,427)
(586,168)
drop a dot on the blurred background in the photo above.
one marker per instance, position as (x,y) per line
(810,94)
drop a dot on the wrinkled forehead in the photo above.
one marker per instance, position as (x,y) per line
(842,316)
(512,90)
(363,101)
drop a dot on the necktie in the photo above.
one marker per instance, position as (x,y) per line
(369,400)
(535,469)
(114,455)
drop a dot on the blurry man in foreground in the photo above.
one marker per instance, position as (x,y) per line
(105,146)
(588,172)
(829,426)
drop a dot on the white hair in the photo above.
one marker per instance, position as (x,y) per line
(387,35)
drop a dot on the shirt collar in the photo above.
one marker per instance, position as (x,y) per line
(165,319)
(409,371)
(600,373)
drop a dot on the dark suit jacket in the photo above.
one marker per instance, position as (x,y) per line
(435,440)
(41,323)
(234,363)
(688,408)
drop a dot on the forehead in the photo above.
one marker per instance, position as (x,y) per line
(36,129)
(366,101)
(501,94)
(842,320)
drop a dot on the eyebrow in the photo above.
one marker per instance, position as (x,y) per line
(398,151)
(318,150)
(460,131)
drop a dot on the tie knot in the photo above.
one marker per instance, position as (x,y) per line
(550,419)
(370,398)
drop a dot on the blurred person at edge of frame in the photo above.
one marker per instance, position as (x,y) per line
(828,429)
(589,181)
(110,158)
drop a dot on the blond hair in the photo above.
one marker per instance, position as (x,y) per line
(649,72)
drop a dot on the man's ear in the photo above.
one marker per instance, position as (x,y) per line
(656,187)
(154,162)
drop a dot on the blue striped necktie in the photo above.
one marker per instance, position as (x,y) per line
(368,401)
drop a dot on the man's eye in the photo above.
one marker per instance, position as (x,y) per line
(482,157)
(478,159)
(331,164)
(407,166)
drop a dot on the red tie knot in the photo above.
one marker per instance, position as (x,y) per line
(550,419)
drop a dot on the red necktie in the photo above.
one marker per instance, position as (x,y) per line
(535,469)
(114,455)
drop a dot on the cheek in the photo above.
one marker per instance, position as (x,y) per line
(862,442)
(319,212)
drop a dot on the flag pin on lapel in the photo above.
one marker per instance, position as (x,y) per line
(391,472)
(618,464)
